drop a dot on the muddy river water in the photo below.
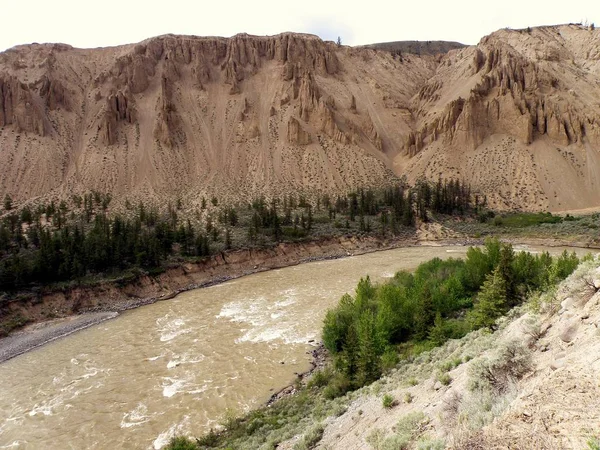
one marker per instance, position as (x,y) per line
(177,366)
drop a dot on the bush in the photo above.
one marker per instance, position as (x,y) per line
(431,444)
(408,428)
(338,386)
(210,439)
(509,364)
(411,424)
(453,363)
(389,360)
(408,397)
(181,443)
(444,378)
(593,443)
(388,401)
(412,381)
(310,438)
(320,378)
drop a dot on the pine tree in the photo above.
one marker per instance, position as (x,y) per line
(491,301)
(7,202)
(368,349)
(437,334)
(227,239)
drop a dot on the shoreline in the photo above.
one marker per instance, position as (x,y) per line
(317,362)
(39,333)
(42,332)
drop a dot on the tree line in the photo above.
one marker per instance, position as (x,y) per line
(58,241)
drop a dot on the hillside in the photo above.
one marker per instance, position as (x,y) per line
(182,116)
(531,384)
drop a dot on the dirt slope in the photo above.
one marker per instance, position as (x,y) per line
(184,116)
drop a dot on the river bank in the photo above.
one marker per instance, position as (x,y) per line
(59,306)
(58,313)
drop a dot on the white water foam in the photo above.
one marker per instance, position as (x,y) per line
(164,437)
(185,359)
(69,384)
(170,328)
(135,417)
(15,444)
(47,407)
(268,319)
(172,386)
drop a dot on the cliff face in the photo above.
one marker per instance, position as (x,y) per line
(518,115)
(244,116)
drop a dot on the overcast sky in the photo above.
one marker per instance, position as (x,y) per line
(114,22)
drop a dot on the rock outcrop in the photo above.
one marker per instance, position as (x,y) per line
(296,134)
(118,109)
(21,107)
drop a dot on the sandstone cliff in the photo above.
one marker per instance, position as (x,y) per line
(517,115)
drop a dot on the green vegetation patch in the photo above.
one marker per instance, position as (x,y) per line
(521,220)
(442,300)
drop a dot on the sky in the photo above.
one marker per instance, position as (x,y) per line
(113,22)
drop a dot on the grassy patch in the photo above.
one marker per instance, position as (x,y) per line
(521,220)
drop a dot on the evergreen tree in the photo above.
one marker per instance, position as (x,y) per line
(491,302)
(437,334)
(7,202)
(368,369)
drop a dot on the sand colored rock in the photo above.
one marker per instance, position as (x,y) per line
(569,331)
(296,134)
(517,116)
(22,109)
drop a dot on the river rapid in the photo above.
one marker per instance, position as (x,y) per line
(178,366)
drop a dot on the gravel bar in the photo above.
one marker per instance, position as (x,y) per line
(41,333)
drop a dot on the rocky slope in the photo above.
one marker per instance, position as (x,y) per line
(180,116)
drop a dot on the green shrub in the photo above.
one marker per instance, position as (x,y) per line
(181,443)
(378,440)
(408,397)
(210,439)
(411,423)
(389,360)
(510,362)
(310,438)
(388,401)
(320,378)
(338,385)
(444,378)
(453,363)
(593,443)
(431,444)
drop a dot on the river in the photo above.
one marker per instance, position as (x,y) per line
(178,366)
